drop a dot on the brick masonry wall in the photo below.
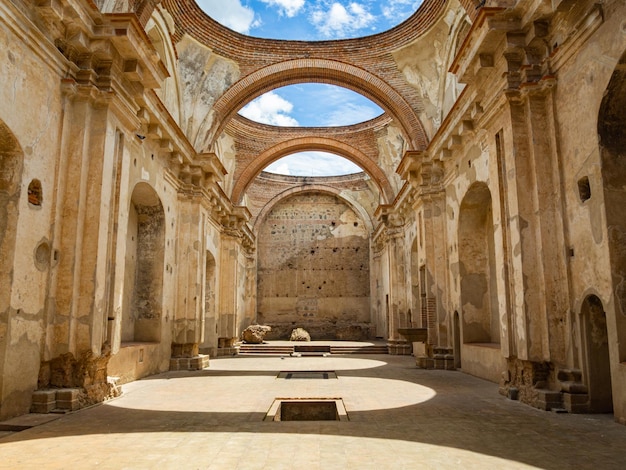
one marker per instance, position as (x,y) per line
(313,268)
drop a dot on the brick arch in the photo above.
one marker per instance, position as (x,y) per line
(471,7)
(332,72)
(302,144)
(314,188)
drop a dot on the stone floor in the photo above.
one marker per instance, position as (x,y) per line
(400,417)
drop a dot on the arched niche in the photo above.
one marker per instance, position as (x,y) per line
(11,165)
(479,301)
(143,282)
(612,134)
(596,362)
(210,314)
(415,317)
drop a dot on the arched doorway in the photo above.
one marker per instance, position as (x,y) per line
(596,355)
(143,283)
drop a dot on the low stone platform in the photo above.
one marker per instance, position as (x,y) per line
(286,348)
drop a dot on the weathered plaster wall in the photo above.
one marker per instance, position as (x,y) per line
(313,268)
(268,188)
(160,29)
(142,167)
(583,81)
(426,67)
(204,76)
(391,147)
(31,138)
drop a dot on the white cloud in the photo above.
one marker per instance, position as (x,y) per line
(231,14)
(270,109)
(339,21)
(290,8)
(399,10)
(351,113)
(313,164)
(279,167)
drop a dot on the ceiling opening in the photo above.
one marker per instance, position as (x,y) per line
(313,164)
(315,20)
(311,105)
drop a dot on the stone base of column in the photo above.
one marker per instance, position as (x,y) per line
(424,362)
(199,362)
(399,347)
(233,351)
(443,359)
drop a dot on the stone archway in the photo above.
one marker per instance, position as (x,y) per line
(292,72)
(323,144)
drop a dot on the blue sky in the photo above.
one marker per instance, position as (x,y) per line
(309,104)
(309,20)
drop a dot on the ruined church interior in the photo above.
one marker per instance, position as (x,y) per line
(464,291)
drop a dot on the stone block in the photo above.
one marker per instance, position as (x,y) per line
(547,400)
(424,362)
(199,362)
(576,403)
(67,399)
(44,401)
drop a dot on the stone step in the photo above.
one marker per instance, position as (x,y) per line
(268,349)
(359,350)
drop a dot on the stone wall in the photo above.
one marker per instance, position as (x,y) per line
(313,269)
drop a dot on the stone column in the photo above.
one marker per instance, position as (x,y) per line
(187,319)
(539,275)
(535,208)
(397,303)
(228,299)
(79,292)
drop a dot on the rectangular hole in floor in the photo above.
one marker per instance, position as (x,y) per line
(307,409)
(307,374)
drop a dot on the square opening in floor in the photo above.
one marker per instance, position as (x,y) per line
(307,374)
(307,409)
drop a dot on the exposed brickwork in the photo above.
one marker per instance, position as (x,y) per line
(364,64)
(313,269)
(257,147)
(268,189)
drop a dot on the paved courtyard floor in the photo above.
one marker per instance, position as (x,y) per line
(400,417)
